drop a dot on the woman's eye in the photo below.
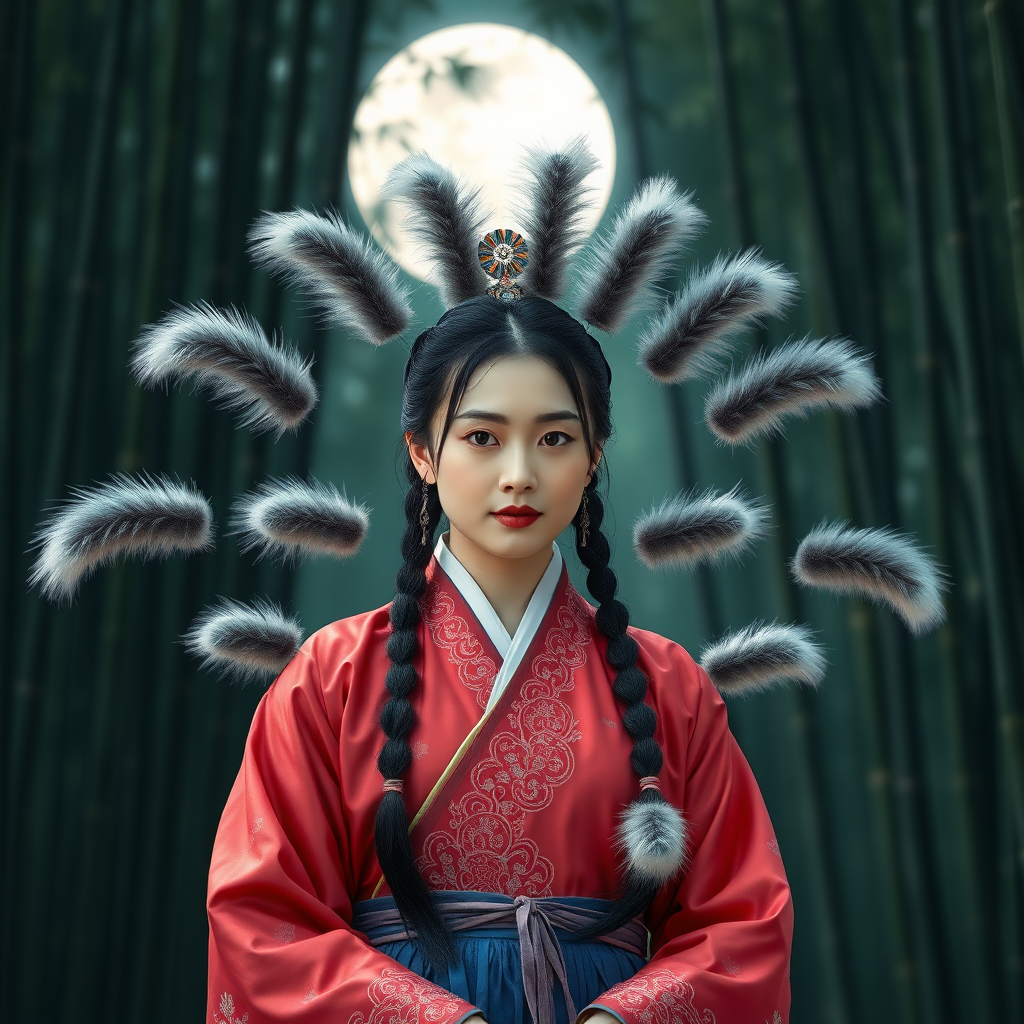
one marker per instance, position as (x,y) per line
(481,438)
(555,439)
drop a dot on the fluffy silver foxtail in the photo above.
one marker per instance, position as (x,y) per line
(758,657)
(696,328)
(446,218)
(288,518)
(226,350)
(653,836)
(645,240)
(693,528)
(552,215)
(244,642)
(126,516)
(881,564)
(355,282)
(791,380)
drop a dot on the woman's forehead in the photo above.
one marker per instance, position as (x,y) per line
(517,385)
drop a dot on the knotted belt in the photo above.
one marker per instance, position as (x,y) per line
(539,950)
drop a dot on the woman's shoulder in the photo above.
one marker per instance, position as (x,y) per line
(332,658)
(673,674)
(667,664)
(349,634)
(668,653)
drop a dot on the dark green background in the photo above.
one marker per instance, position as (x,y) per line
(873,147)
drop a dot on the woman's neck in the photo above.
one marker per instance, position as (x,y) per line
(507,583)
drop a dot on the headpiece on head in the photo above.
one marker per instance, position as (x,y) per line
(504,256)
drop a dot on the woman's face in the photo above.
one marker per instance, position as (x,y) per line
(515,444)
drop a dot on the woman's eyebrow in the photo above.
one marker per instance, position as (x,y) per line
(497,417)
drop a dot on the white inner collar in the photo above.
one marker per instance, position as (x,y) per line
(511,648)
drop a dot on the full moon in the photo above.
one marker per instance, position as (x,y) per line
(475,97)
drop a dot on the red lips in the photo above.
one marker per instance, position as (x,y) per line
(516,516)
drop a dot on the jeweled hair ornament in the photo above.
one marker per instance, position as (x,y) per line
(504,256)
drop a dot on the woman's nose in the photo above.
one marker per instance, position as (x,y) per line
(518,472)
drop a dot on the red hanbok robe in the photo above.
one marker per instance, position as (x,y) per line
(522,800)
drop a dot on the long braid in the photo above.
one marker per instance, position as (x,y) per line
(397,718)
(630,687)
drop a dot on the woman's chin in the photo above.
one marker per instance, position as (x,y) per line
(507,542)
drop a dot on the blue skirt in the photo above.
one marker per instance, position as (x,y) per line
(491,973)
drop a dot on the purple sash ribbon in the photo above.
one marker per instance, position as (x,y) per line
(539,950)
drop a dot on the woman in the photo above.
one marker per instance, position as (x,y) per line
(511,711)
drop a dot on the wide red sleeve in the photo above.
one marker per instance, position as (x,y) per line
(721,946)
(281,945)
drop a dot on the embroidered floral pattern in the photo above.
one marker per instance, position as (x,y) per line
(483,847)
(610,723)
(309,996)
(257,825)
(419,749)
(773,845)
(227,1011)
(451,632)
(730,966)
(284,932)
(776,1019)
(659,997)
(400,997)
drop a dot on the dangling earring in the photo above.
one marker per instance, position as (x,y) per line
(424,515)
(584,526)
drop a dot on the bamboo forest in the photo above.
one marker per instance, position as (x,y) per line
(874,148)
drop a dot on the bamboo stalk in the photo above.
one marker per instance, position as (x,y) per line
(912,822)
(17,161)
(125,786)
(82,971)
(1008,139)
(975,335)
(218,459)
(174,687)
(709,602)
(268,580)
(978,371)
(1010,925)
(980,474)
(838,985)
(347,40)
(22,735)
(850,446)
(348,37)
(21,890)
(961,894)
(164,262)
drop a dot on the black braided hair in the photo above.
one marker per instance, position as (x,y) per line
(397,718)
(441,363)
(630,687)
